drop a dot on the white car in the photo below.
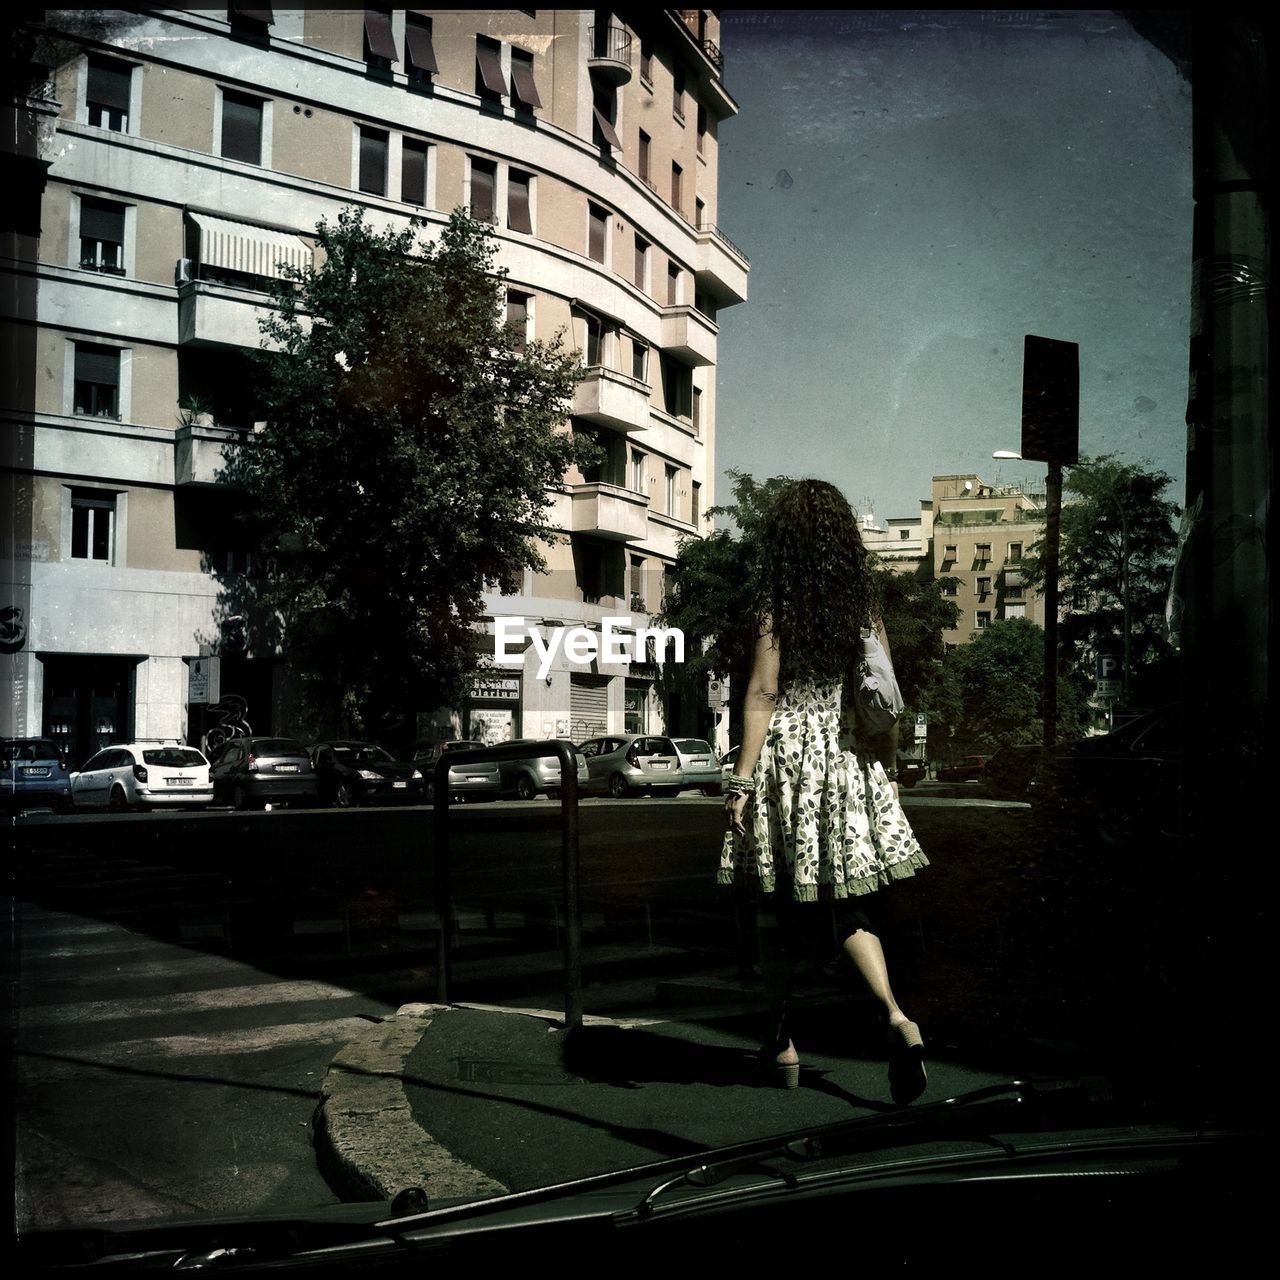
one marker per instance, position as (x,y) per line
(143,775)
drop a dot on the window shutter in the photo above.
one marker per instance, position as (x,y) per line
(109,83)
(490,65)
(519,217)
(373,162)
(413,173)
(100,221)
(98,364)
(418,46)
(377,34)
(242,128)
(522,80)
(483,181)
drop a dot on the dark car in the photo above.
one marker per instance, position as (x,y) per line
(33,774)
(478,780)
(260,770)
(966,769)
(350,773)
(1009,772)
(911,771)
(1119,785)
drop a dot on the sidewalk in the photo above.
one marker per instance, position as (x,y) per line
(473,1100)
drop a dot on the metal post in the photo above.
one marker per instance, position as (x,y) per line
(1052,534)
(443,885)
(569,856)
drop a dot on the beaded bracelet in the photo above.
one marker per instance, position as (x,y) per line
(736,785)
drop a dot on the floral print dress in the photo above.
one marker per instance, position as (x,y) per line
(820,820)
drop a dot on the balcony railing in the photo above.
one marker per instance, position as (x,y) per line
(610,54)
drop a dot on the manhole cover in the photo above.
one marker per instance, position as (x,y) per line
(482,1071)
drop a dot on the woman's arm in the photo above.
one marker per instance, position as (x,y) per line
(757,709)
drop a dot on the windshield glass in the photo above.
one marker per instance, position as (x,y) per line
(947,268)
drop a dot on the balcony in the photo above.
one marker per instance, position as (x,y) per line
(609,511)
(222,315)
(610,58)
(721,267)
(612,400)
(200,453)
(688,335)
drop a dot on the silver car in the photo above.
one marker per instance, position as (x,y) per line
(479,780)
(626,762)
(143,775)
(535,775)
(699,766)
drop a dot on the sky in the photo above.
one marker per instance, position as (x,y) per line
(917,191)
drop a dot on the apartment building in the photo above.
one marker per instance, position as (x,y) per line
(971,538)
(167,166)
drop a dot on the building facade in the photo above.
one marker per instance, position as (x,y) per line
(170,161)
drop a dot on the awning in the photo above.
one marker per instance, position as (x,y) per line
(490,68)
(1012,578)
(238,246)
(522,82)
(609,133)
(418,46)
(377,31)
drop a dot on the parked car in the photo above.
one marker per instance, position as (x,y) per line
(480,780)
(728,761)
(1009,772)
(911,771)
(33,773)
(535,775)
(966,769)
(143,775)
(350,773)
(625,762)
(1119,785)
(259,770)
(699,766)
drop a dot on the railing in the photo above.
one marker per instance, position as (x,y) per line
(720,235)
(568,851)
(714,56)
(610,42)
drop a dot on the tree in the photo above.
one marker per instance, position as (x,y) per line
(999,676)
(410,445)
(1117,547)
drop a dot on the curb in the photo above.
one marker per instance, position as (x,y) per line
(368,1145)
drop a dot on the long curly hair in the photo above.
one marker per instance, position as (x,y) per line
(814,580)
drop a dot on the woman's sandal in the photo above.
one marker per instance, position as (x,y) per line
(907,1076)
(782,1075)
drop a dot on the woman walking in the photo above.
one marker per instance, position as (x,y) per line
(813,828)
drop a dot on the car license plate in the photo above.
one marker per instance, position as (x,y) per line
(699,760)
(181,782)
(400,785)
(36,772)
(286,768)
(657,764)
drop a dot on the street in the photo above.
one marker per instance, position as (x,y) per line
(183,981)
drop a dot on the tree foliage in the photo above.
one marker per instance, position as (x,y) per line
(1114,513)
(405,466)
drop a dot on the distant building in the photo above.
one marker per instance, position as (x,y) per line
(976,534)
(164,163)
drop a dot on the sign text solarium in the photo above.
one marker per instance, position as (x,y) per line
(615,642)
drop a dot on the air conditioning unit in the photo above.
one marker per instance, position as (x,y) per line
(184,271)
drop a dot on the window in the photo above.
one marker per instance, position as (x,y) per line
(420,54)
(597,232)
(699,213)
(1015,552)
(669,490)
(983,619)
(645,143)
(904,535)
(97,381)
(677,183)
(107,93)
(702,127)
(102,236)
(1013,590)
(490,82)
(642,263)
(697,410)
(949,588)
(639,360)
(519,208)
(241,127)
(484,183)
(982,551)
(677,93)
(518,318)
(673,284)
(949,551)
(637,471)
(252,19)
(379,44)
(646,62)
(92,519)
(677,388)
(373,161)
(637,581)
(413,172)
(524,92)
(984,586)
(604,110)
(696,503)
(593,351)
(1018,610)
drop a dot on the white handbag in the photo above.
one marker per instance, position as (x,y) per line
(876,695)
